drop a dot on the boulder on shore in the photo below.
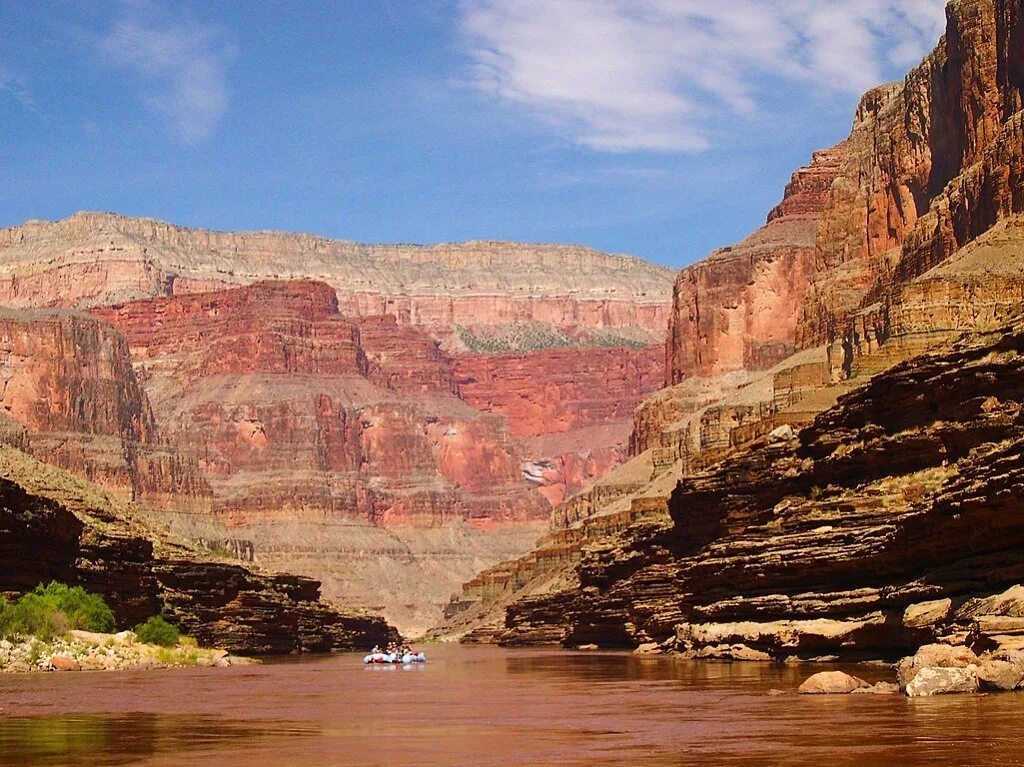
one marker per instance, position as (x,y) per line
(1001,675)
(60,663)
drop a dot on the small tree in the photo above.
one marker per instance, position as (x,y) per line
(158,631)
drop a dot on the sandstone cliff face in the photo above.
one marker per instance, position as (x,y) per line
(56,526)
(339,403)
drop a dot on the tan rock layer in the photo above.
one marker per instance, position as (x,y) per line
(94,259)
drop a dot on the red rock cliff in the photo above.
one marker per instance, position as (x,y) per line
(560,390)
(68,379)
(286,413)
(738,309)
(933,163)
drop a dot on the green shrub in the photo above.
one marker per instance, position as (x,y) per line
(52,610)
(34,616)
(158,631)
(83,610)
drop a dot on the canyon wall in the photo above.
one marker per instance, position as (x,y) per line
(272,393)
(67,379)
(341,403)
(333,444)
(805,506)
(738,309)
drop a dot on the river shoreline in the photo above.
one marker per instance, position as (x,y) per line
(92,651)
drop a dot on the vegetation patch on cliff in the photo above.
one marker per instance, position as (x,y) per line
(523,337)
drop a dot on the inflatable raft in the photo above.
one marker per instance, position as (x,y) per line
(384,657)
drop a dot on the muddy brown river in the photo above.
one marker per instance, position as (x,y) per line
(487,706)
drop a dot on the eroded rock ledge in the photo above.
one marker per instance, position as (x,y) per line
(906,492)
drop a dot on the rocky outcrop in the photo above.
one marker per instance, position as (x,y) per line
(825,547)
(54,526)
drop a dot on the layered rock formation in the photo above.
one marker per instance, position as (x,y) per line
(560,390)
(95,259)
(67,381)
(273,394)
(760,544)
(340,442)
(54,526)
(737,310)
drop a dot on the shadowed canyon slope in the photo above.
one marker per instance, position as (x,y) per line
(56,526)
(839,441)
(391,428)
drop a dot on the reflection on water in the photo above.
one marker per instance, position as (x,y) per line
(115,739)
(484,706)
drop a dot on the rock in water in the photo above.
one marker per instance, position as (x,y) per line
(831,683)
(934,656)
(943,681)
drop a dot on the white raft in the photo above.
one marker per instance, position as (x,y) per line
(385,657)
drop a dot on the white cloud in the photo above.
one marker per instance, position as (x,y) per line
(622,75)
(183,63)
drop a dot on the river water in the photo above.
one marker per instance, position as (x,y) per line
(488,706)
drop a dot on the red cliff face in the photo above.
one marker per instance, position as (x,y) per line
(933,163)
(291,411)
(560,390)
(286,328)
(68,380)
(403,358)
(738,309)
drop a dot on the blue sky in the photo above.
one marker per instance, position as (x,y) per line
(660,128)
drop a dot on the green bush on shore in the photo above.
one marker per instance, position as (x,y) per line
(52,610)
(158,631)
